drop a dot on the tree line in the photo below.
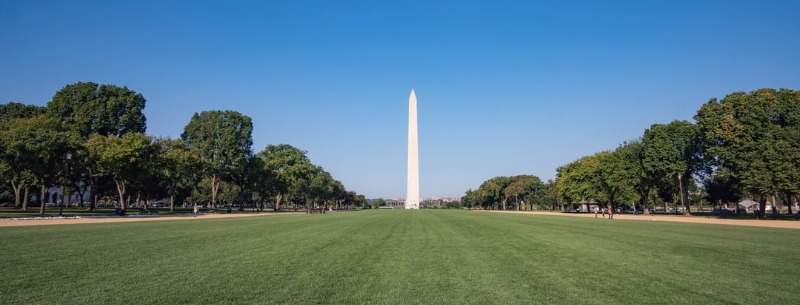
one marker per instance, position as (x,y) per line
(521,193)
(746,145)
(92,136)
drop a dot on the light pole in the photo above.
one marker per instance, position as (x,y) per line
(66,181)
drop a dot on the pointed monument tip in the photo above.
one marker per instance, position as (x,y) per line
(412,92)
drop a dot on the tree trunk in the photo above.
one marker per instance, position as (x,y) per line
(25,199)
(774,206)
(172,191)
(612,206)
(81,192)
(644,203)
(789,202)
(93,200)
(762,206)
(684,194)
(645,210)
(17,192)
(278,198)
(121,192)
(214,189)
(504,204)
(42,200)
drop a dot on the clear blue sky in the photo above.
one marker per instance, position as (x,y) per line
(504,87)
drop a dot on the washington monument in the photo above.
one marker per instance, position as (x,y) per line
(412,194)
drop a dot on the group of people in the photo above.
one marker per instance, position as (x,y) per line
(605,210)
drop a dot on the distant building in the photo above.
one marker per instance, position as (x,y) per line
(395,202)
(426,201)
(55,195)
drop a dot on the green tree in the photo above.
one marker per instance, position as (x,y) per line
(360,200)
(550,198)
(223,140)
(350,200)
(320,187)
(492,192)
(786,145)
(89,108)
(176,164)
(755,137)
(35,150)
(14,110)
(607,177)
(124,159)
(254,181)
(471,199)
(338,193)
(285,164)
(11,171)
(13,165)
(15,174)
(612,181)
(574,181)
(637,164)
(524,187)
(722,188)
(378,203)
(672,151)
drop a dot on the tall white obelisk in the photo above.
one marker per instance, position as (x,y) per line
(412,194)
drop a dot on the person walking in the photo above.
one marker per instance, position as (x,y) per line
(595,212)
(196,210)
(610,212)
(604,212)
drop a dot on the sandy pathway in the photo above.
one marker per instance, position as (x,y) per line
(60,221)
(788,224)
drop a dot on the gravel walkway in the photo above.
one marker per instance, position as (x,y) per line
(788,224)
(76,220)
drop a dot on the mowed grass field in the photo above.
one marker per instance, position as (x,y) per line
(399,257)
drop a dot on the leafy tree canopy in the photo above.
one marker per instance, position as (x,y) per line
(89,108)
(223,141)
(13,110)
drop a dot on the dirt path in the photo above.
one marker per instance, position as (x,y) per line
(691,219)
(787,224)
(60,221)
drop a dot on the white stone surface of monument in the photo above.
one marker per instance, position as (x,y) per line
(412,194)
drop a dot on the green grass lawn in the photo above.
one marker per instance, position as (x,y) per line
(399,257)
